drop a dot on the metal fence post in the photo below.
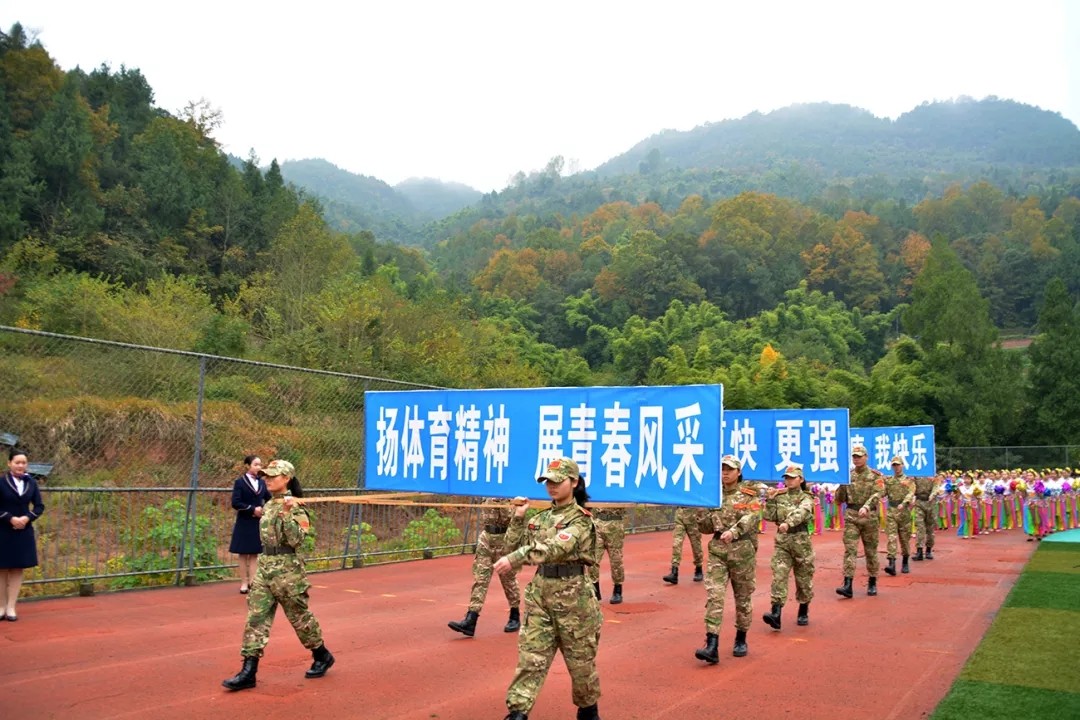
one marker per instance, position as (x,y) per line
(189,518)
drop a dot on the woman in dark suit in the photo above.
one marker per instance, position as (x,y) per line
(20,506)
(248,497)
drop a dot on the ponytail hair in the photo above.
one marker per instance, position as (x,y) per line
(581,495)
(294,487)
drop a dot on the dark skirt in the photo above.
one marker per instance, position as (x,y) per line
(245,535)
(18,548)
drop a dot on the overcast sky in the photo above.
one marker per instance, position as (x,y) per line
(474,91)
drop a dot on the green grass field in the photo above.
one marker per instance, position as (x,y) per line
(1028,665)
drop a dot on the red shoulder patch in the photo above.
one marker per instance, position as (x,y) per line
(564,536)
(748,491)
(586,511)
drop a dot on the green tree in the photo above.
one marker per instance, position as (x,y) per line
(1054,377)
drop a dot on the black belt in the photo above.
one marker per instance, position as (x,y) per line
(803,528)
(922,499)
(608,516)
(495,529)
(564,570)
(278,550)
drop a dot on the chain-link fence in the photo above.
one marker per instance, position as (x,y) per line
(139,448)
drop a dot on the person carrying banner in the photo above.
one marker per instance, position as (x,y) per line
(685,526)
(862,495)
(280,578)
(791,510)
(927,492)
(732,557)
(901,494)
(494,519)
(561,609)
(610,534)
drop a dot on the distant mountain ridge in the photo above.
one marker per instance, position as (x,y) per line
(848,141)
(798,151)
(355,202)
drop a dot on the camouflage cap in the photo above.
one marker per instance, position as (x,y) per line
(858,450)
(897,461)
(794,471)
(559,470)
(279,467)
(732,462)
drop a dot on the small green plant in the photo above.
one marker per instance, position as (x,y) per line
(433,530)
(160,532)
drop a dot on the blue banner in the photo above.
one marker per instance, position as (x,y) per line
(768,441)
(914,443)
(632,444)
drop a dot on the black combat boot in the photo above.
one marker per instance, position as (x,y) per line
(846,591)
(871,588)
(516,715)
(918,554)
(929,553)
(904,565)
(709,653)
(616,594)
(246,677)
(596,589)
(772,619)
(514,623)
(588,713)
(698,575)
(323,661)
(466,627)
(891,567)
(804,614)
(673,578)
(740,649)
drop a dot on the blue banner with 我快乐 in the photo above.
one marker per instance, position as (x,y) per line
(632,444)
(913,443)
(767,442)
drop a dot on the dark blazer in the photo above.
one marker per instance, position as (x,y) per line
(18,548)
(245,537)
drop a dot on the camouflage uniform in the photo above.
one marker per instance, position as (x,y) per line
(610,533)
(686,525)
(561,612)
(494,519)
(901,493)
(793,549)
(864,491)
(926,511)
(280,578)
(739,512)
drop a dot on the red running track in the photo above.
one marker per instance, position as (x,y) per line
(162,654)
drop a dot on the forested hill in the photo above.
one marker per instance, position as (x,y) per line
(354,202)
(957,137)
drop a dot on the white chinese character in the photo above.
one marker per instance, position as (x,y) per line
(882,450)
(615,438)
(650,452)
(688,424)
(411,446)
(744,443)
(582,435)
(439,428)
(918,451)
(467,437)
(496,443)
(788,441)
(387,444)
(823,446)
(550,441)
